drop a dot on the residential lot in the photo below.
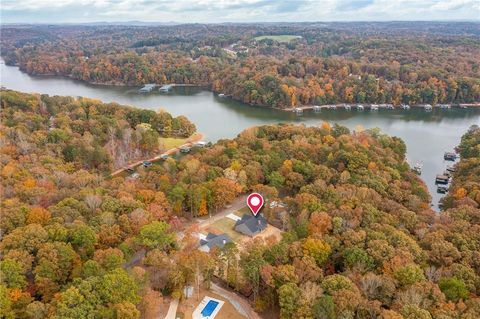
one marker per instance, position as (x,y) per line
(226,225)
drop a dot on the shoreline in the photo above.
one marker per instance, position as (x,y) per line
(208,87)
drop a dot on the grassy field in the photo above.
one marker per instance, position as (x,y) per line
(278,38)
(243,211)
(172,142)
(225,225)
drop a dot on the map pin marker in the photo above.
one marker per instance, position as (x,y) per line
(255,202)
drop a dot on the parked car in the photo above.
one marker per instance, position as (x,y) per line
(147,163)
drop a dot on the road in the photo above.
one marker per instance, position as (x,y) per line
(238,203)
(172,310)
(197,137)
(241,304)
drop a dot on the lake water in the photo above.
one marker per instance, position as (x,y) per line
(427,134)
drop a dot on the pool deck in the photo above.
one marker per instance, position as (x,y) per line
(197,313)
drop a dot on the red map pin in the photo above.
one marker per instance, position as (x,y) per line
(255,202)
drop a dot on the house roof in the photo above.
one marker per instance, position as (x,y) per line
(213,240)
(253,224)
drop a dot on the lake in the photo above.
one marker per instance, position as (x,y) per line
(427,134)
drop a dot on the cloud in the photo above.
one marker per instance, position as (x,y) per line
(211,11)
(351,5)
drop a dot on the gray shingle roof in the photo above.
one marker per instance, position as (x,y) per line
(251,225)
(213,240)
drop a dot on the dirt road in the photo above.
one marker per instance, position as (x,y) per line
(197,137)
(241,304)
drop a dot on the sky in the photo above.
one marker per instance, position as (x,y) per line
(217,11)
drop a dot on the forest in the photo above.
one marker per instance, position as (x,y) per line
(87,133)
(359,238)
(321,63)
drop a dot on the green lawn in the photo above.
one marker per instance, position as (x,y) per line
(243,211)
(172,142)
(225,225)
(279,38)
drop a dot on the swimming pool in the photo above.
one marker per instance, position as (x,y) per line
(209,308)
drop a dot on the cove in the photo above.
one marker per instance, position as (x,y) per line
(427,134)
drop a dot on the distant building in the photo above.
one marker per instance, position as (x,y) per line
(212,241)
(250,225)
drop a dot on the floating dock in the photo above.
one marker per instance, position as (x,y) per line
(147,88)
(375,107)
(166,88)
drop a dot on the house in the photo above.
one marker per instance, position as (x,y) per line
(212,241)
(250,225)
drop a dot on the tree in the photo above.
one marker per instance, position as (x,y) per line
(408,275)
(289,299)
(72,304)
(117,286)
(336,282)
(157,235)
(126,310)
(324,308)
(83,238)
(357,257)
(318,249)
(453,288)
(12,274)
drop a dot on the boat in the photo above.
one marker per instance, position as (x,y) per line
(428,107)
(317,108)
(185,149)
(442,189)
(333,107)
(221,95)
(442,179)
(449,156)
(347,107)
(451,169)
(405,106)
(417,168)
(360,107)
(389,107)
(146,163)
(374,107)
(200,144)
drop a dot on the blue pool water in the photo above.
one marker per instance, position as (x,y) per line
(209,308)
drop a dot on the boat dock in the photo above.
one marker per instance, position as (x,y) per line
(374,107)
(147,88)
(166,88)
